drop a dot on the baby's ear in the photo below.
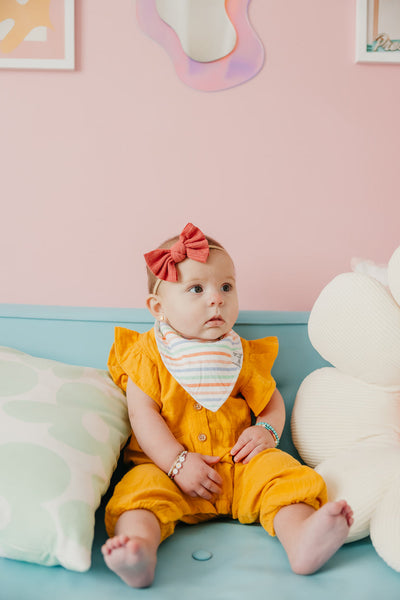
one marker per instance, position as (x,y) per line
(154,305)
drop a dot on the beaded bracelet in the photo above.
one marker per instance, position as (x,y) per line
(272,430)
(177,465)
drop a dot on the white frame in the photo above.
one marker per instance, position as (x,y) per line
(68,62)
(362,54)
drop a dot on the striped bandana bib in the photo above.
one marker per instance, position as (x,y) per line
(208,371)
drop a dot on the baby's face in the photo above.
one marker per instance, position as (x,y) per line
(203,304)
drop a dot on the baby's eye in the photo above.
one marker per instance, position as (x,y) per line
(226,287)
(196,289)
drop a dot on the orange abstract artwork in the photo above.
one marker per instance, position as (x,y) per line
(37,34)
(26,17)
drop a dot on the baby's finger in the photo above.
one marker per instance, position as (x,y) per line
(215,477)
(248,458)
(247,448)
(210,460)
(203,492)
(240,443)
(212,487)
(256,450)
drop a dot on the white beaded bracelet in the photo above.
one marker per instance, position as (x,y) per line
(272,430)
(177,465)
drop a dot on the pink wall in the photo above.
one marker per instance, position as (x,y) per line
(295,171)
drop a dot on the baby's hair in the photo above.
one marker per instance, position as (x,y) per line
(152,280)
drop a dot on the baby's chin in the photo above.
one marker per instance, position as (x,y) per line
(205,334)
(213,334)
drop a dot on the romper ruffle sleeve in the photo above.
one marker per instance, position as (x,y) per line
(259,385)
(130,357)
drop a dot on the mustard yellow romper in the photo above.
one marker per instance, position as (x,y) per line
(251,493)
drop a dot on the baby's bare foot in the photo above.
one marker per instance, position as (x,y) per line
(133,559)
(320,536)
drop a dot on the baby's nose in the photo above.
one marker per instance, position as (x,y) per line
(216,298)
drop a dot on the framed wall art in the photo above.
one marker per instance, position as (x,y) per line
(378,31)
(37,34)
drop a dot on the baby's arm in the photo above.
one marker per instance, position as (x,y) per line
(197,476)
(255,439)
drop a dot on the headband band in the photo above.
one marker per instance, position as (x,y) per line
(192,244)
(157,284)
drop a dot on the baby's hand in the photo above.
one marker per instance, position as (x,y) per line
(251,441)
(197,476)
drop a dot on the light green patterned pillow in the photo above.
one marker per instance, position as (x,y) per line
(61,431)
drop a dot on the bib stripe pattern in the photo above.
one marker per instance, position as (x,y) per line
(208,371)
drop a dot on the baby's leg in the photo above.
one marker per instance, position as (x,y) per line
(132,552)
(311,537)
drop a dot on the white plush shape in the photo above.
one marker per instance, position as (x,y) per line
(61,431)
(346,419)
(355,325)
(385,526)
(333,410)
(362,475)
(394,275)
(369,267)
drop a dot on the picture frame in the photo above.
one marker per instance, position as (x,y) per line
(41,38)
(378,31)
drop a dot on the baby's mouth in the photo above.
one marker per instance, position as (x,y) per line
(216,320)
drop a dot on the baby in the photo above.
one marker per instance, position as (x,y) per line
(192,386)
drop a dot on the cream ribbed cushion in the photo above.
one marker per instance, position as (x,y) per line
(355,325)
(335,411)
(363,475)
(394,275)
(385,525)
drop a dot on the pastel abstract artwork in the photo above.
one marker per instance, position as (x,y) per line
(378,31)
(37,34)
(20,27)
(210,42)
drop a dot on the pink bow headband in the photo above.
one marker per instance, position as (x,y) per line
(192,244)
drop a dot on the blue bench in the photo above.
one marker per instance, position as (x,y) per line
(245,560)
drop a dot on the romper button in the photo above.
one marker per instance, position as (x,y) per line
(197,406)
(202,437)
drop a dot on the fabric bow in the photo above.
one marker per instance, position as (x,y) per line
(191,244)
